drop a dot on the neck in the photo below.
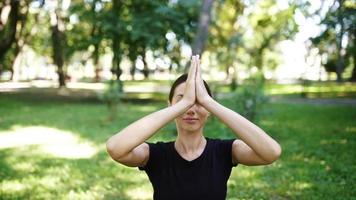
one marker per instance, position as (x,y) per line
(188,143)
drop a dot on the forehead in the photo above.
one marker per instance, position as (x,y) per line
(179,89)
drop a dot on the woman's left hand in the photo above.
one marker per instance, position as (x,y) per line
(202,95)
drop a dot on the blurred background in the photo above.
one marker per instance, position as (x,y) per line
(73,73)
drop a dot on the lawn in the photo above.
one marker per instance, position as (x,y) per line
(55,149)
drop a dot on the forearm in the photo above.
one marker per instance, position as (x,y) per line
(266,147)
(138,132)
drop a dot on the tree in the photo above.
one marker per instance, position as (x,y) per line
(8,27)
(351,53)
(58,42)
(270,25)
(226,37)
(337,39)
(203,27)
(87,33)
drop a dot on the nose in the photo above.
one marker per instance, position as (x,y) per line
(192,110)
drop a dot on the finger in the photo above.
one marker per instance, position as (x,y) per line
(190,73)
(194,68)
(197,62)
(199,75)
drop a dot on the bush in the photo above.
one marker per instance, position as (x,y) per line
(112,97)
(248,98)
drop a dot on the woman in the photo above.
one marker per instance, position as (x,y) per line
(192,166)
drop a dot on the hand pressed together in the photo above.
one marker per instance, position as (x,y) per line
(195,91)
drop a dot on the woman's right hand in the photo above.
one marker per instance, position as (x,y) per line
(190,93)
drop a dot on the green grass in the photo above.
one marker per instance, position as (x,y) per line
(311,90)
(318,160)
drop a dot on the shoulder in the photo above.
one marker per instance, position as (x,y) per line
(159,149)
(160,145)
(223,148)
(217,142)
(157,153)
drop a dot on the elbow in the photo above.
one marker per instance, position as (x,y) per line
(111,148)
(275,154)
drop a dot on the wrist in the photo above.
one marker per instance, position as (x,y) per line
(207,101)
(185,104)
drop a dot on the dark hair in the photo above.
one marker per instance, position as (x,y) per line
(180,80)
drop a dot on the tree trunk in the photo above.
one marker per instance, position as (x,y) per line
(8,30)
(353,76)
(94,33)
(97,77)
(340,55)
(203,29)
(145,71)
(57,45)
(116,46)
(133,69)
(21,39)
(117,58)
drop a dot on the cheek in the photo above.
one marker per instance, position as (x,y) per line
(203,113)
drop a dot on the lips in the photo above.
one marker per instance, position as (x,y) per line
(190,120)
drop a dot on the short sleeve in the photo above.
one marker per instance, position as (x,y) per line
(154,157)
(226,150)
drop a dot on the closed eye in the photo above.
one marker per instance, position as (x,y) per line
(179,97)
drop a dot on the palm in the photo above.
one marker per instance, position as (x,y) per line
(201,92)
(190,89)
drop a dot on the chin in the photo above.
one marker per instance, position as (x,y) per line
(191,129)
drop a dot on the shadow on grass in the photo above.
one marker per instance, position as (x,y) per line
(28,173)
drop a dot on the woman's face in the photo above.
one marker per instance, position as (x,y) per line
(194,118)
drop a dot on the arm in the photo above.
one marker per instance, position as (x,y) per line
(255,146)
(125,142)
(128,147)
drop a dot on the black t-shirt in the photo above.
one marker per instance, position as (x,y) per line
(205,177)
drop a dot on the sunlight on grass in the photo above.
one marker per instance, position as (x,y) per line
(87,195)
(89,86)
(140,192)
(287,89)
(246,173)
(351,129)
(24,166)
(49,182)
(12,186)
(315,88)
(139,188)
(132,175)
(58,143)
(302,185)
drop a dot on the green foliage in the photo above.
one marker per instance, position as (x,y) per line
(249,98)
(339,23)
(226,37)
(270,25)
